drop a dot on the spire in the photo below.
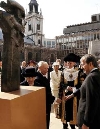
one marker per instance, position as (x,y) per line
(34,2)
(31,4)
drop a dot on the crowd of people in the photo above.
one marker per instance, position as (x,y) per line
(72,88)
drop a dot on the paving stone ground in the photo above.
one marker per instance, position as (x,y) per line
(55,123)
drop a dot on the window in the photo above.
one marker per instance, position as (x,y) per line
(31,8)
(77,45)
(39,41)
(53,42)
(94,36)
(94,18)
(29,25)
(38,26)
(36,8)
(44,43)
(48,42)
(98,36)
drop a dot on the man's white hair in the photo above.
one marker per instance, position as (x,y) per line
(42,63)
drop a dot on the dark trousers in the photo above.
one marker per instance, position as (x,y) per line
(65,126)
(72,126)
(47,120)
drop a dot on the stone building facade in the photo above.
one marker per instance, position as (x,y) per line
(34,23)
(94,48)
(76,38)
(31,52)
(38,50)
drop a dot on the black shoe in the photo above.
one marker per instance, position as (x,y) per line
(72,126)
(65,126)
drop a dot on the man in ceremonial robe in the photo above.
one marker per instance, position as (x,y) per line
(72,77)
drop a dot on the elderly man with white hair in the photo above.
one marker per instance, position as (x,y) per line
(44,82)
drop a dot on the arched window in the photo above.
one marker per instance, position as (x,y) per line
(31,8)
(38,57)
(38,26)
(29,56)
(29,25)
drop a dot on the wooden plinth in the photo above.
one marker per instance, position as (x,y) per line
(23,109)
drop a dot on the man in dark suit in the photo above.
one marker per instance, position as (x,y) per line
(44,82)
(89,104)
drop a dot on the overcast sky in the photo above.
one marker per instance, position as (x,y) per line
(58,14)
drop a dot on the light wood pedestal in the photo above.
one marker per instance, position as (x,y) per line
(23,109)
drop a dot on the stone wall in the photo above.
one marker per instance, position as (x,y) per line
(94,48)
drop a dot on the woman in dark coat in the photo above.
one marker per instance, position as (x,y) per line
(30,76)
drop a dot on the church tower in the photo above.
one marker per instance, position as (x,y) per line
(34,23)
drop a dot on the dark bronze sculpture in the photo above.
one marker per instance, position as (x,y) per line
(13,35)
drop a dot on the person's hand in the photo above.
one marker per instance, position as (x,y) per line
(85,127)
(69,88)
(58,100)
(68,97)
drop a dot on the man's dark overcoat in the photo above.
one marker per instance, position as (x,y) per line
(89,104)
(44,82)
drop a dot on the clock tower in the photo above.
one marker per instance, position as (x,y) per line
(34,23)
